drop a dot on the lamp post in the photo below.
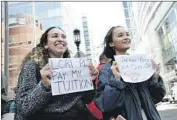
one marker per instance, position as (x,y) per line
(77,40)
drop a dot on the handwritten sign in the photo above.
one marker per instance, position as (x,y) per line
(70,75)
(135,68)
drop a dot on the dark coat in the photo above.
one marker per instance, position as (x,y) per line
(116,97)
(35,102)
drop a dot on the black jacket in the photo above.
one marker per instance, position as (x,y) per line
(116,97)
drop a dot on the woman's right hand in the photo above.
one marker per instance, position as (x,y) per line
(115,70)
(46,73)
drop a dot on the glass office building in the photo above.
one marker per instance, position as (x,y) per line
(158,23)
(131,24)
(86,36)
(168,37)
(26,22)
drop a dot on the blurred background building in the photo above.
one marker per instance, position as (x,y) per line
(157,22)
(86,36)
(26,22)
(131,24)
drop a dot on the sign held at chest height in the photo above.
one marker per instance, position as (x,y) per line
(135,68)
(70,75)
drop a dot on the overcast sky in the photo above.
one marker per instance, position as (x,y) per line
(101,17)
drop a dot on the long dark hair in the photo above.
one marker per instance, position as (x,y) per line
(39,54)
(108,50)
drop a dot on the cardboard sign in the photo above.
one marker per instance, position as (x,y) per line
(134,68)
(70,75)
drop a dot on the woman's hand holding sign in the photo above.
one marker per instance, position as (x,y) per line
(46,73)
(156,67)
(115,70)
(93,72)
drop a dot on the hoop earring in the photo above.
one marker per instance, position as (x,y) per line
(113,47)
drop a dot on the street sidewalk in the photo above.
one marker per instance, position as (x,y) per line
(166,106)
(8,116)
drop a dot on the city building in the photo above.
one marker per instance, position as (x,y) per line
(86,36)
(157,22)
(27,21)
(131,24)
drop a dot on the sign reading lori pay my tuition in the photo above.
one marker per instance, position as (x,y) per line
(70,75)
(135,68)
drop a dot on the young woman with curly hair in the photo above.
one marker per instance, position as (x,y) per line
(34,100)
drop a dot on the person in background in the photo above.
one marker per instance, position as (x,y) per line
(133,101)
(102,59)
(12,104)
(93,108)
(4,102)
(34,100)
(11,110)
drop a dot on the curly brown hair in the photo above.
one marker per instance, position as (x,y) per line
(39,54)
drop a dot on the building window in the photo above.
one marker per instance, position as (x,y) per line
(50,5)
(130,33)
(165,41)
(12,20)
(29,10)
(53,12)
(85,33)
(54,21)
(125,4)
(84,23)
(166,26)
(84,19)
(167,33)
(174,35)
(29,42)
(176,9)
(172,19)
(161,33)
(87,49)
(39,6)
(133,25)
(86,37)
(128,23)
(21,8)
(87,42)
(170,38)
(85,27)
(127,14)
(172,67)
(47,9)
(150,7)
(22,21)
(130,4)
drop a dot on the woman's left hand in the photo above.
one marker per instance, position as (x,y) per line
(93,72)
(156,67)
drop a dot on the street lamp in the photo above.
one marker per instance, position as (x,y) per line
(77,40)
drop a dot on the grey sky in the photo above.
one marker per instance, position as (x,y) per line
(101,17)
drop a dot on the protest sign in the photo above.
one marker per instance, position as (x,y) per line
(70,75)
(134,68)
